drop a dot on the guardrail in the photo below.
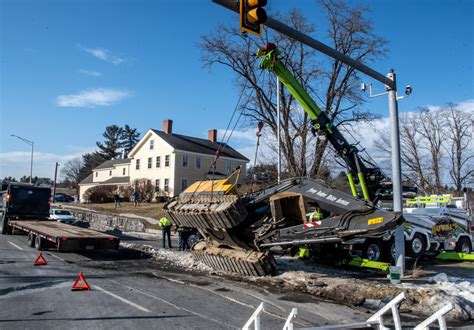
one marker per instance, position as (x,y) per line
(375,320)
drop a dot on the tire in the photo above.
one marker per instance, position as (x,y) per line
(4,225)
(39,243)
(192,239)
(464,245)
(31,240)
(416,246)
(372,250)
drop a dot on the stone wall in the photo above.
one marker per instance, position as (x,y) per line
(104,222)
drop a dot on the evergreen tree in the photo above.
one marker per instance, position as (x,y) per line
(90,161)
(129,138)
(110,148)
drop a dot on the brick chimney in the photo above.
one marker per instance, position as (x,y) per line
(212,135)
(168,126)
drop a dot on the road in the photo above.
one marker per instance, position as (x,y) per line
(131,291)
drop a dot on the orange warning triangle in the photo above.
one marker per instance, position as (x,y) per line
(40,260)
(80,284)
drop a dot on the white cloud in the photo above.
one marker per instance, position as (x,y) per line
(366,134)
(90,73)
(104,55)
(92,97)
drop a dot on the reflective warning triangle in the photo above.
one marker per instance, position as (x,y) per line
(40,261)
(80,284)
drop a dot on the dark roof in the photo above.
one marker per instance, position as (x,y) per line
(88,179)
(202,146)
(118,179)
(112,162)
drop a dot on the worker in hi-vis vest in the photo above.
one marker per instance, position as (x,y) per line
(165,225)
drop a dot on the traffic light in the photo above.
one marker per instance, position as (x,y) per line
(252,16)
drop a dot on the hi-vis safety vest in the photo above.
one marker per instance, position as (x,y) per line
(164,222)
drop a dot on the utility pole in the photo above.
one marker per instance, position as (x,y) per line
(31,143)
(396,170)
(278,130)
(55,176)
(388,80)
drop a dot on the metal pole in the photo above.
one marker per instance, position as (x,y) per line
(55,176)
(313,43)
(278,130)
(396,170)
(31,166)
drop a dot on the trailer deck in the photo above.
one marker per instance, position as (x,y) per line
(66,237)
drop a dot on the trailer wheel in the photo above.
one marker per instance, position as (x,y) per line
(372,250)
(4,224)
(39,243)
(416,246)
(464,245)
(31,240)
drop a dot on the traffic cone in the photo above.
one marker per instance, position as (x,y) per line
(80,284)
(40,261)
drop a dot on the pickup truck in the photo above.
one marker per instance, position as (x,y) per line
(25,208)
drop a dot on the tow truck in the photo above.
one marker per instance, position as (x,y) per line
(25,208)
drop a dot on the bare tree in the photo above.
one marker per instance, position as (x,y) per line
(71,170)
(329,81)
(432,128)
(459,145)
(413,158)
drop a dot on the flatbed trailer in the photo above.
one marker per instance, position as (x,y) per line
(50,234)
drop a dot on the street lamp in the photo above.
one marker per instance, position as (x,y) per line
(31,143)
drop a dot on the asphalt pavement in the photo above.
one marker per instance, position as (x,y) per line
(131,291)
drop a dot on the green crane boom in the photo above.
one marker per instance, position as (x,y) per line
(368,175)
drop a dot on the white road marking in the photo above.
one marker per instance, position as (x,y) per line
(54,256)
(205,317)
(122,299)
(19,248)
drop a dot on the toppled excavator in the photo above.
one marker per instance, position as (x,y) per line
(239,231)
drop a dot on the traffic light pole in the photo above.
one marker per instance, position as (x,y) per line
(388,80)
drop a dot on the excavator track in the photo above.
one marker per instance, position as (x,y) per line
(207,211)
(234,259)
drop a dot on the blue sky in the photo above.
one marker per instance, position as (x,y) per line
(138,62)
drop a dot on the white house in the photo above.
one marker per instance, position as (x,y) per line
(170,161)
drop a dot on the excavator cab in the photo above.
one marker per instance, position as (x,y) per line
(288,205)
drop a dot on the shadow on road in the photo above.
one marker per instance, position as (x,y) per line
(103,318)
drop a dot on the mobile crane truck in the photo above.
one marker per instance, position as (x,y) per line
(25,208)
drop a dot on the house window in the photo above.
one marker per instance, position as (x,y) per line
(137,164)
(167,160)
(184,160)
(149,162)
(157,185)
(198,163)
(184,184)
(229,167)
(110,173)
(96,174)
(167,185)
(158,161)
(123,171)
(152,144)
